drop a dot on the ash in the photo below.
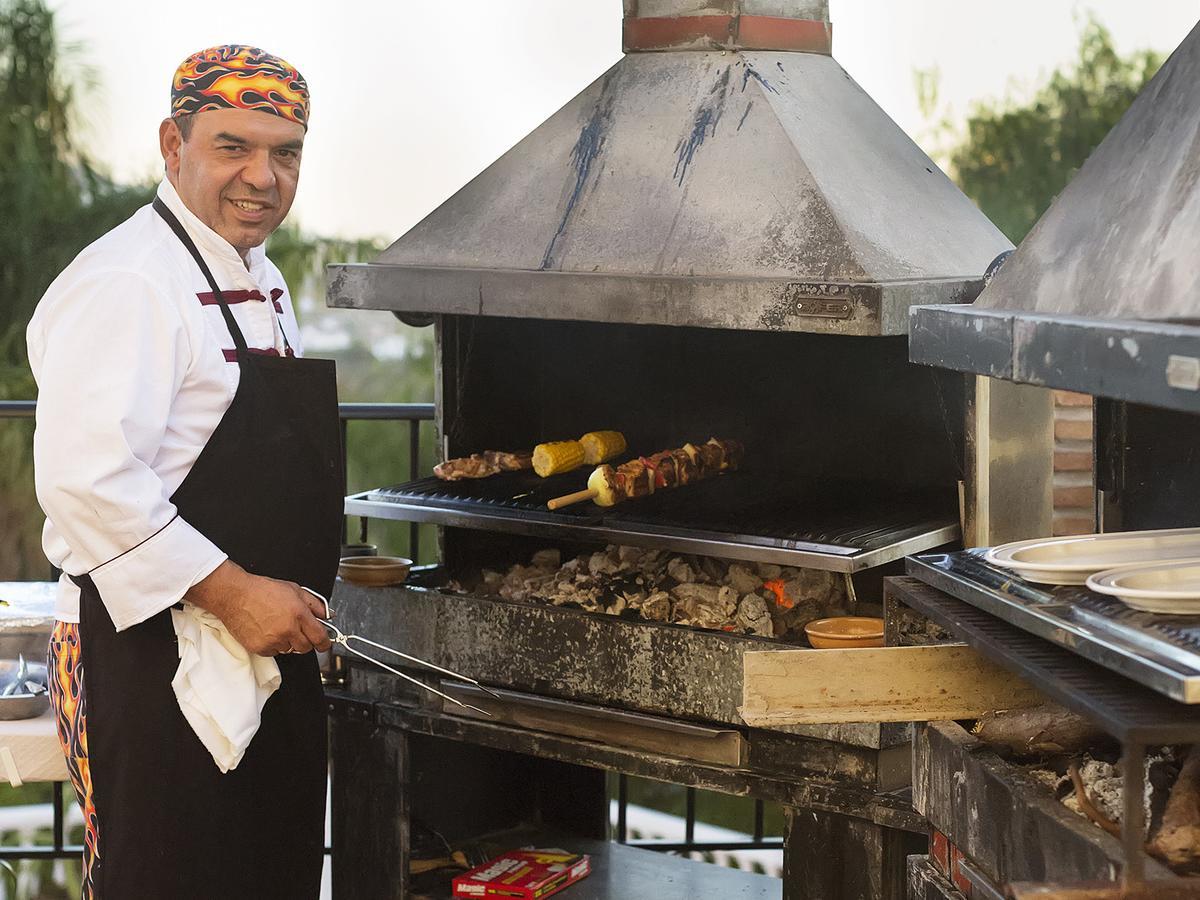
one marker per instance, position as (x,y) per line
(658,586)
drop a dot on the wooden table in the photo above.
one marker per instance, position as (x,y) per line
(29,748)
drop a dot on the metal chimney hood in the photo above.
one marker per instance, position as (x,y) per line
(726,173)
(1103,296)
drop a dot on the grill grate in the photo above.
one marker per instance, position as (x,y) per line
(1125,709)
(835,519)
(1162,652)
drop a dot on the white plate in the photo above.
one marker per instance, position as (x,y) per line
(1172,588)
(1070,560)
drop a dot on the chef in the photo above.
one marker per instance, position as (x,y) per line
(188,457)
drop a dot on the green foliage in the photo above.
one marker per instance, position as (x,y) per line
(1016,156)
(53,202)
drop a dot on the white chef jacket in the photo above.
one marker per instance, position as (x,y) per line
(135,368)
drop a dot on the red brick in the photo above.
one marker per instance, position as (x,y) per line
(660,33)
(734,32)
(775,33)
(1072,430)
(939,850)
(1079,496)
(1073,524)
(957,878)
(1070,398)
(1072,461)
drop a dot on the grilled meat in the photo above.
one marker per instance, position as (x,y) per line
(481,465)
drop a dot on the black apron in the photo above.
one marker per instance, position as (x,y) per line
(267,489)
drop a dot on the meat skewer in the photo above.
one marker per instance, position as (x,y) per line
(608,486)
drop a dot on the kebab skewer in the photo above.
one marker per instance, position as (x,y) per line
(608,485)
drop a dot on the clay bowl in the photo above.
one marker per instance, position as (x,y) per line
(842,632)
(375,571)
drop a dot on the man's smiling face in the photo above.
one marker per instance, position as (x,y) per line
(237,170)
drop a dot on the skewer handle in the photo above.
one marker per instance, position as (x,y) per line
(577,497)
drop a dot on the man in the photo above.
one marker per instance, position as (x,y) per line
(185,453)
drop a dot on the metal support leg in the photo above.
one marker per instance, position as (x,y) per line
(1133,817)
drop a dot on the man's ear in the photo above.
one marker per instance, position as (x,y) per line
(170,142)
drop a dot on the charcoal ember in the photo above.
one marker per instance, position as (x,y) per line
(631,556)
(704,605)
(657,607)
(767,571)
(679,569)
(550,558)
(604,563)
(743,580)
(711,568)
(656,585)
(789,621)
(753,616)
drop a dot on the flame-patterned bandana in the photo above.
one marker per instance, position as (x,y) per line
(234,76)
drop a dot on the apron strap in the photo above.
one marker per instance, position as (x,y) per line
(184,238)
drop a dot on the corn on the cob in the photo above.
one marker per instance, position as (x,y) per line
(557,456)
(601,446)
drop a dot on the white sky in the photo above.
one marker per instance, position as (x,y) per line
(411,99)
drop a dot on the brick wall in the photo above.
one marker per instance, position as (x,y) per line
(1074,484)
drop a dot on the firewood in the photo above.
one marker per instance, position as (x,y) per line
(1177,842)
(1040,730)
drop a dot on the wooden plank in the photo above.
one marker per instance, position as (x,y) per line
(885,684)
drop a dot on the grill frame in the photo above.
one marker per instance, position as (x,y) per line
(851,542)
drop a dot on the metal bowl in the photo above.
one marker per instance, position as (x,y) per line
(23,705)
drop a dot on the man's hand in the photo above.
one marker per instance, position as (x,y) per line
(266,616)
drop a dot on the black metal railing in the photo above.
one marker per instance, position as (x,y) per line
(412,413)
(689,844)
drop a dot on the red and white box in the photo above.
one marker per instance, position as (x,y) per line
(524,875)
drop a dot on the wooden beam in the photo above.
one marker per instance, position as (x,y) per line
(886,684)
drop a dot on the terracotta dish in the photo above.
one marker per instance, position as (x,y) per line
(374,570)
(845,631)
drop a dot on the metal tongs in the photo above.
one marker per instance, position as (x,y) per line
(343,639)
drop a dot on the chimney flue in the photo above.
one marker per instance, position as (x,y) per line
(797,25)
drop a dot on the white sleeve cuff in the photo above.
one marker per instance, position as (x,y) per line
(155,574)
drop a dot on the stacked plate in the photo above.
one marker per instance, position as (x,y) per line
(1155,571)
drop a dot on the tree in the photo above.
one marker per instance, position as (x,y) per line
(1015,157)
(53,202)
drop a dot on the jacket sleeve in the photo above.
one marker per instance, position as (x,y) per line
(112,354)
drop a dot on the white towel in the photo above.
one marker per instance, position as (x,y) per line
(221,686)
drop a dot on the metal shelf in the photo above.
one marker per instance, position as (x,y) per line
(1136,645)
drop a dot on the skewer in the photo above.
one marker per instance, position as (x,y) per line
(568,499)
